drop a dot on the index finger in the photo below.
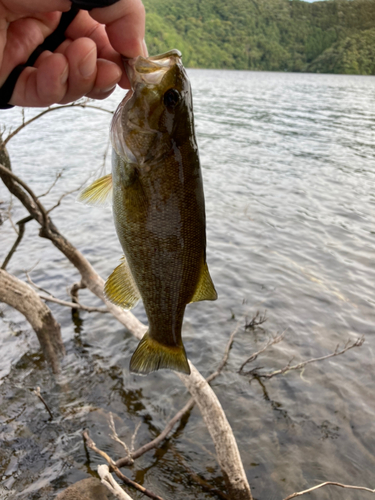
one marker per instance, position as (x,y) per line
(125,26)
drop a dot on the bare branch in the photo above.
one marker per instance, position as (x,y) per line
(269,343)
(349,345)
(134,436)
(58,176)
(256,320)
(90,443)
(328,483)
(115,437)
(48,110)
(111,484)
(74,305)
(63,196)
(21,224)
(37,393)
(22,297)
(9,214)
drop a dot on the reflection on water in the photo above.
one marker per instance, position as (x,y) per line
(288,163)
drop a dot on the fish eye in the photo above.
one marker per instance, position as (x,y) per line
(171,98)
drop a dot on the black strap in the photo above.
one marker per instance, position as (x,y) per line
(92,4)
(50,43)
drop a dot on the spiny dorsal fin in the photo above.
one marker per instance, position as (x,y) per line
(151,355)
(120,287)
(205,288)
(98,193)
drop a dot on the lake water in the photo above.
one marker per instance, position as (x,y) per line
(289,177)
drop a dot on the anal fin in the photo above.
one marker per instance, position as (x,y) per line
(120,288)
(151,355)
(98,193)
(205,288)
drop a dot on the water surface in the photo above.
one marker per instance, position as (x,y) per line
(289,172)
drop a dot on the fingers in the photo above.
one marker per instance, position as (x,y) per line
(125,25)
(73,72)
(42,86)
(21,38)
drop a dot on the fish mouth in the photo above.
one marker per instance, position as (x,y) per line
(150,70)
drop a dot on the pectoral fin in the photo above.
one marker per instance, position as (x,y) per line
(205,288)
(120,287)
(98,193)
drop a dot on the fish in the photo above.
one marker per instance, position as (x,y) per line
(158,204)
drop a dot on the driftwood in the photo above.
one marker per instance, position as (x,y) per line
(212,412)
(22,297)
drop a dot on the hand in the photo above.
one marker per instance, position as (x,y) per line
(88,63)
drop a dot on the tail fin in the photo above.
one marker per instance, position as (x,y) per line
(150,356)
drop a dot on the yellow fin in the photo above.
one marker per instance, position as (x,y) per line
(120,288)
(150,356)
(98,193)
(205,288)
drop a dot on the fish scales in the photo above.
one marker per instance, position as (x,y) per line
(158,207)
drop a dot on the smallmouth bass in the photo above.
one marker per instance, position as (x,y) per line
(158,207)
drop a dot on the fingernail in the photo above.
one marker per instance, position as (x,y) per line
(144,46)
(88,64)
(64,75)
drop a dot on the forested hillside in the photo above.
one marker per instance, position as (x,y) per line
(335,36)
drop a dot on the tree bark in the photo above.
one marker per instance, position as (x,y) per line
(22,297)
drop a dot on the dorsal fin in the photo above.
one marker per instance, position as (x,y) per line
(205,288)
(120,287)
(98,193)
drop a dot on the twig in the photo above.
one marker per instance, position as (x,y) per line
(90,443)
(74,305)
(58,175)
(9,214)
(31,282)
(134,436)
(115,437)
(253,357)
(111,484)
(48,110)
(63,196)
(256,320)
(328,483)
(21,224)
(358,343)
(37,393)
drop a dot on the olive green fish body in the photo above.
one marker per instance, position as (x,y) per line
(160,222)
(158,207)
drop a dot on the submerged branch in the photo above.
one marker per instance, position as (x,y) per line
(90,443)
(37,393)
(328,483)
(349,345)
(253,357)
